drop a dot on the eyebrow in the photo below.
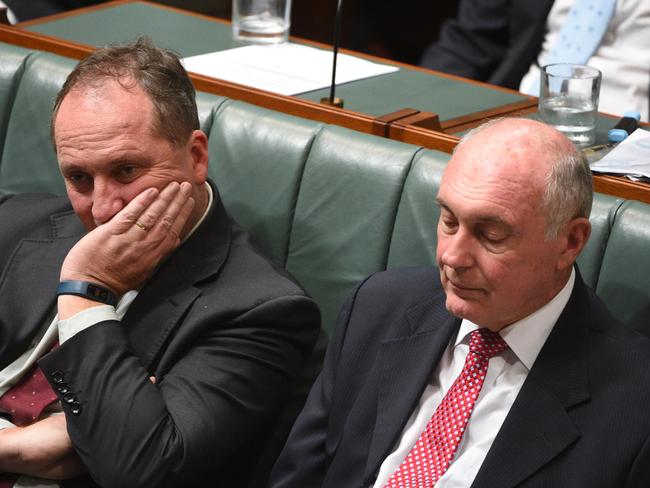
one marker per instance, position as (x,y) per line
(113,163)
(483,219)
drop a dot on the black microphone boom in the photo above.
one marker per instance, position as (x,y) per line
(333,100)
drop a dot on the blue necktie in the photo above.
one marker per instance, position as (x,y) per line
(582,32)
(578,38)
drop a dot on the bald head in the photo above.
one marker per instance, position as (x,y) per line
(537,160)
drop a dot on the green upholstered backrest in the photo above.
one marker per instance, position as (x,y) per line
(603,213)
(258,168)
(624,278)
(207,104)
(11,70)
(345,211)
(329,204)
(413,241)
(28,157)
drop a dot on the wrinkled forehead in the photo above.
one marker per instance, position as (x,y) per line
(490,174)
(104,105)
(504,152)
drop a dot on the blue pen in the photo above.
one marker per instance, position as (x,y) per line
(628,124)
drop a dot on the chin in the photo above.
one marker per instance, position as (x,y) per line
(465,309)
(457,306)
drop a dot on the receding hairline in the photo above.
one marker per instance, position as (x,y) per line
(157,71)
(560,200)
(85,88)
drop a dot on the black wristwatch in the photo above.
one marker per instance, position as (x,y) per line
(84,289)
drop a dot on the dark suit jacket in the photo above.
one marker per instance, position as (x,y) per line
(31,9)
(581,419)
(490,40)
(221,329)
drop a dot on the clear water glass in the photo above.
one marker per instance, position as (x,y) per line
(261,21)
(569,100)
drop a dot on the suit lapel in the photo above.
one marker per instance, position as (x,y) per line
(172,289)
(28,287)
(539,426)
(406,367)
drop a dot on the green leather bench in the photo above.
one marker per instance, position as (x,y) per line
(329,204)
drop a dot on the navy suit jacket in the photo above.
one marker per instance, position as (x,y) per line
(581,418)
(490,40)
(220,327)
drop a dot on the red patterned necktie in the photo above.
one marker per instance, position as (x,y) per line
(434,450)
(26,400)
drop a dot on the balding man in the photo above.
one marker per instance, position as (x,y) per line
(172,340)
(500,368)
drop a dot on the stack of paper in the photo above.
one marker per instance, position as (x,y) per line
(632,156)
(287,69)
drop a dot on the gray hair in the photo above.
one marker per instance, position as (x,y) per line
(569,191)
(569,188)
(157,71)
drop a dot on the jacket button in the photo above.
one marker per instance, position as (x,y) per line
(69,398)
(75,408)
(63,388)
(57,376)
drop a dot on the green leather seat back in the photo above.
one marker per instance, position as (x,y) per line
(257,158)
(11,70)
(28,158)
(603,212)
(414,236)
(345,213)
(624,280)
(207,104)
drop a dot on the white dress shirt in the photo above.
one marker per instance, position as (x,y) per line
(623,56)
(10,15)
(505,376)
(64,330)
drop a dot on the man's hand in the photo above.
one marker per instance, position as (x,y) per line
(122,253)
(42,449)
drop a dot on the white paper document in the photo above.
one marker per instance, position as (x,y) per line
(287,69)
(632,156)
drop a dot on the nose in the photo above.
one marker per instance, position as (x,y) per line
(106,202)
(457,250)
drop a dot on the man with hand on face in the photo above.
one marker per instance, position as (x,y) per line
(170,341)
(500,368)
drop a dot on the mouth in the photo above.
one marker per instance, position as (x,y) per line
(463,288)
(456,286)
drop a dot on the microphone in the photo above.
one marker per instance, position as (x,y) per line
(332,99)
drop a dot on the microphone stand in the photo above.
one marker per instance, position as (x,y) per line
(332,99)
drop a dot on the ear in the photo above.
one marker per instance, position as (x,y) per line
(198,146)
(573,240)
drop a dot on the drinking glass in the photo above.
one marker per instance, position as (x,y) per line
(568,100)
(261,21)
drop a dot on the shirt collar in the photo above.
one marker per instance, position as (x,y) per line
(205,213)
(527,336)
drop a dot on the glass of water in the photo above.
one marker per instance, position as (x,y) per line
(261,21)
(568,100)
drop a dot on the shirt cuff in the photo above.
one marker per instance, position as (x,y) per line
(69,327)
(4,423)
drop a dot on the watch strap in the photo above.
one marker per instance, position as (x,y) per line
(88,290)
